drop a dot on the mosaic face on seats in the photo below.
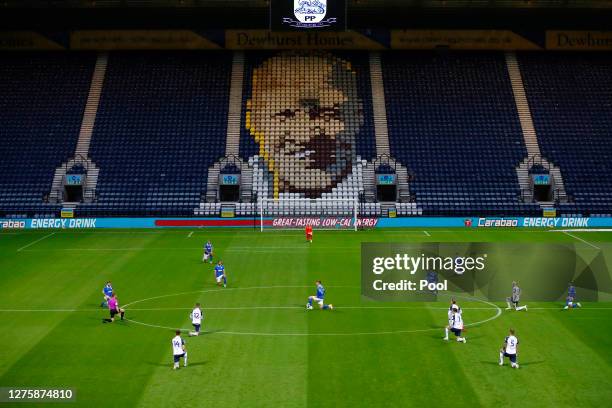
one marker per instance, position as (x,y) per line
(305,114)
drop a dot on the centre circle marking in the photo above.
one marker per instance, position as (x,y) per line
(237,333)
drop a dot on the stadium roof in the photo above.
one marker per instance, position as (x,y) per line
(350,3)
(517,15)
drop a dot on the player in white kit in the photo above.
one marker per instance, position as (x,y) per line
(510,350)
(179,350)
(196,320)
(453,307)
(456,326)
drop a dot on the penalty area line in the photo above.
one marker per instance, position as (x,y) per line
(580,239)
(35,242)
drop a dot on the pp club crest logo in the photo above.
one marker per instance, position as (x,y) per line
(309,14)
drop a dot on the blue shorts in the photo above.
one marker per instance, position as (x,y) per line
(456,332)
(512,357)
(196,327)
(177,357)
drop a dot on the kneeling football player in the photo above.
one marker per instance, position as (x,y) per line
(220,274)
(196,320)
(114,309)
(319,298)
(454,307)
(179,350)
(510,350)
(457,326)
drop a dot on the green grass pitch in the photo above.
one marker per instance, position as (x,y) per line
(261,348)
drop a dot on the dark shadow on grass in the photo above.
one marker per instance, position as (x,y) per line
(199,363)
(531,363)
(438,336)
(506,363)
(169,365)
(316,308)
(451,337)
(472,337)
(151,363)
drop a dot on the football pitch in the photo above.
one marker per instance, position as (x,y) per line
(260,347)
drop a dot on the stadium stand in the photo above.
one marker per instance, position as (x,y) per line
(162,121)
(161,124)
(453,123)
(42,98)
(571,103)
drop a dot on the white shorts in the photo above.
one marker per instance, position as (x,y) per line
(206,255)
(219,278)
(318,300)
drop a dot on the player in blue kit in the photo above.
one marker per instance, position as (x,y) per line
(319,298)
(220,274)
(208,253)
(570,301)
(107,292)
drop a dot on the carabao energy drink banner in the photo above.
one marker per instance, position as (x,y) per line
(438,271)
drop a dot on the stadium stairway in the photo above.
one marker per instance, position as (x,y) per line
(534,156)
(232,145)
(378,105)
(82,148)
(161,124)
(452,121)
(382,139)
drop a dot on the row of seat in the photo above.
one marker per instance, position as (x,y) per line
(42,99)
(306,129)
(570,96)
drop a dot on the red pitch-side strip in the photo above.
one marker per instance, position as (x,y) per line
(208,223)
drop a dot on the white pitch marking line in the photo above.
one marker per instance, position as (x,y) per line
(499,312)
(228,290)
(190,234)
(286,334)
(162,309)
(47,310)
(32,243)
(427,233)
(584,230)
(235,249)
(580,239)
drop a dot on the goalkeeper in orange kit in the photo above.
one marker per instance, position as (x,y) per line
(309,233)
